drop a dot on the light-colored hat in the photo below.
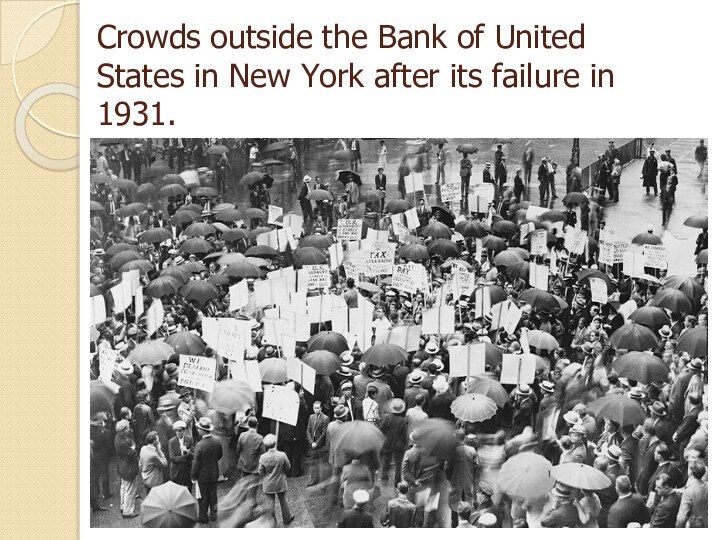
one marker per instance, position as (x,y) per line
(613,452)
(307,179)
(579,429)
(561,491)
(346,384)
(440,384)
(523,390)
(665,331)
(125,367)
(179,425)
(547,386)
(205,424)
(431,347)
(340,411)
(396,406)
(415,378)
(360,496)
(179,260)
(346,358)
(488,519)
(572,417)
(438,363)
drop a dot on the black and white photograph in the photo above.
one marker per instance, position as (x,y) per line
(401,332)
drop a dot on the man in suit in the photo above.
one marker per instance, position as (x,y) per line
(629,508)
(689,423)
(649,173)
(353,404)
(392,426)
(564,513)
(694,502)
(629,447)
(662,457)
(399,512)
(544,178)
(381,185)
(357,517)
(205,470)
(316,438)
(273,468)
(128,468)
(125,161)
(181,451)
(646,463)
(464,512)
(667,503)
(137,159)
(462,473)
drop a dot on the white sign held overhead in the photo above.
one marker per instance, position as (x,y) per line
(302,373)
(517,369)
(280,403)
(349,229)
(598,290)
(655,256)
(467,360)
(197,372)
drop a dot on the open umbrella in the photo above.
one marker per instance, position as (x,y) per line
(262,251)
(195,246)
(319,195)
(117,248)
(575,197)
(186,343)
(323,362)
(273,370)
(553,215)
(506,258)
(414,252)
(583,277)
(540,299)
(443,214)
(398,206)
(650,316)
(519,270)
(229,216)
(488,387)
(702,257)
(205,192)
(169,506)
(156,235)
(184,216)
(437,230)
(219,280)
(472,228)
(581,476)
(619,409)
(199,229)
(123,257)
(697,222)
(647,238)
(260,263)
(172,190)
(641,366)
(633,337)
(473,408)
(194,267)
(494,243)
(251,178)
(275,147)
(243,270)
(192,207)
(437,437)
(230,396)
(102,397)
(328,341)
(690,286)
(254,233)
(99,178)
(309,255)
(171,178)
(138,264)
(526,476)
(228,259)
(497,293)
(694,341)
(199,291)
(96,206)
(158,171)
(346,176)
(180,273)
(368,287)
(150,353)
(443,248)
(162,286)
(467,148)
(542,340)
(145,191)
(217,150)
(234,235)
(319,241)
(384,354)
(505,228)
(355,438)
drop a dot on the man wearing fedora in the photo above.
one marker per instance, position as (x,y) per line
(563,513)
(646,464)
(128,468)
(181,450)
(205,469)
(274,467)
(462,472)
(317,438)
(522,409)
(411,393)
(392,425)
(353,404)
(679,389)
(421,471)
(336,458)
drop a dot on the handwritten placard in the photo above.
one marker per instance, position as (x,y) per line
(197,372)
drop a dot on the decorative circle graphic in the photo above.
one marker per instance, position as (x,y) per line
(23,112)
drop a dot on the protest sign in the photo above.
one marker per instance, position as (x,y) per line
(411,216)
(407,337)
(155,316)
(483,303)
(598,290)
(293,223)
(336,255)
(107,358)
(463,283)
(380,262)
(349,229)
(275,215)
(319,308)
(538,242)
(139,303)
(99,313)
(466,360)
(297,324)
(505,315)
(517,369)
(233,338)
(633,263)
(450,192)
(197,372)
(607,253)
(131,281)
(280,403)
(620,247)
(374,235)
(340,319)
(413,183)
(526,229)
(121,297)
(534,212)
(318,276)
(403,278)
(239,295)
(539,275)
(247,371)
(438,320)
(575,240)
(351,270)
(302,373)
(655,256)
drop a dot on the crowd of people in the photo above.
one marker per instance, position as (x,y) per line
(610,428)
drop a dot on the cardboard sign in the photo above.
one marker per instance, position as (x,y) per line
(239,295)
(139,303)
(534,212)
(505,315)
(633,263)
(340,319)
(319,308)
(337,255)
(655,256)
(155,316)
(598,290)
(539,275)
(526,229)
(302,373)
(275,215)
(234,336)
(374,235)
(483,303)
(271,292)
(297,281)
(411,216)
(122,297)
(318,276)
(607,253)
(403,278)
(107,359)
(463,283)
(247,371)
(467,360)
(98,312)
(620,248)
(538,242)
(450,192)
(280,403)
(351,270)
(406,337)
(293,223)
(197,372)
(380,262)
(438,320)
(575,240)
(414,182)
(349,229)
(517,369)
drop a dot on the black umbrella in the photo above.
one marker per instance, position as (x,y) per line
(346,176)
(443,214)
(443,248)
(466,148)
